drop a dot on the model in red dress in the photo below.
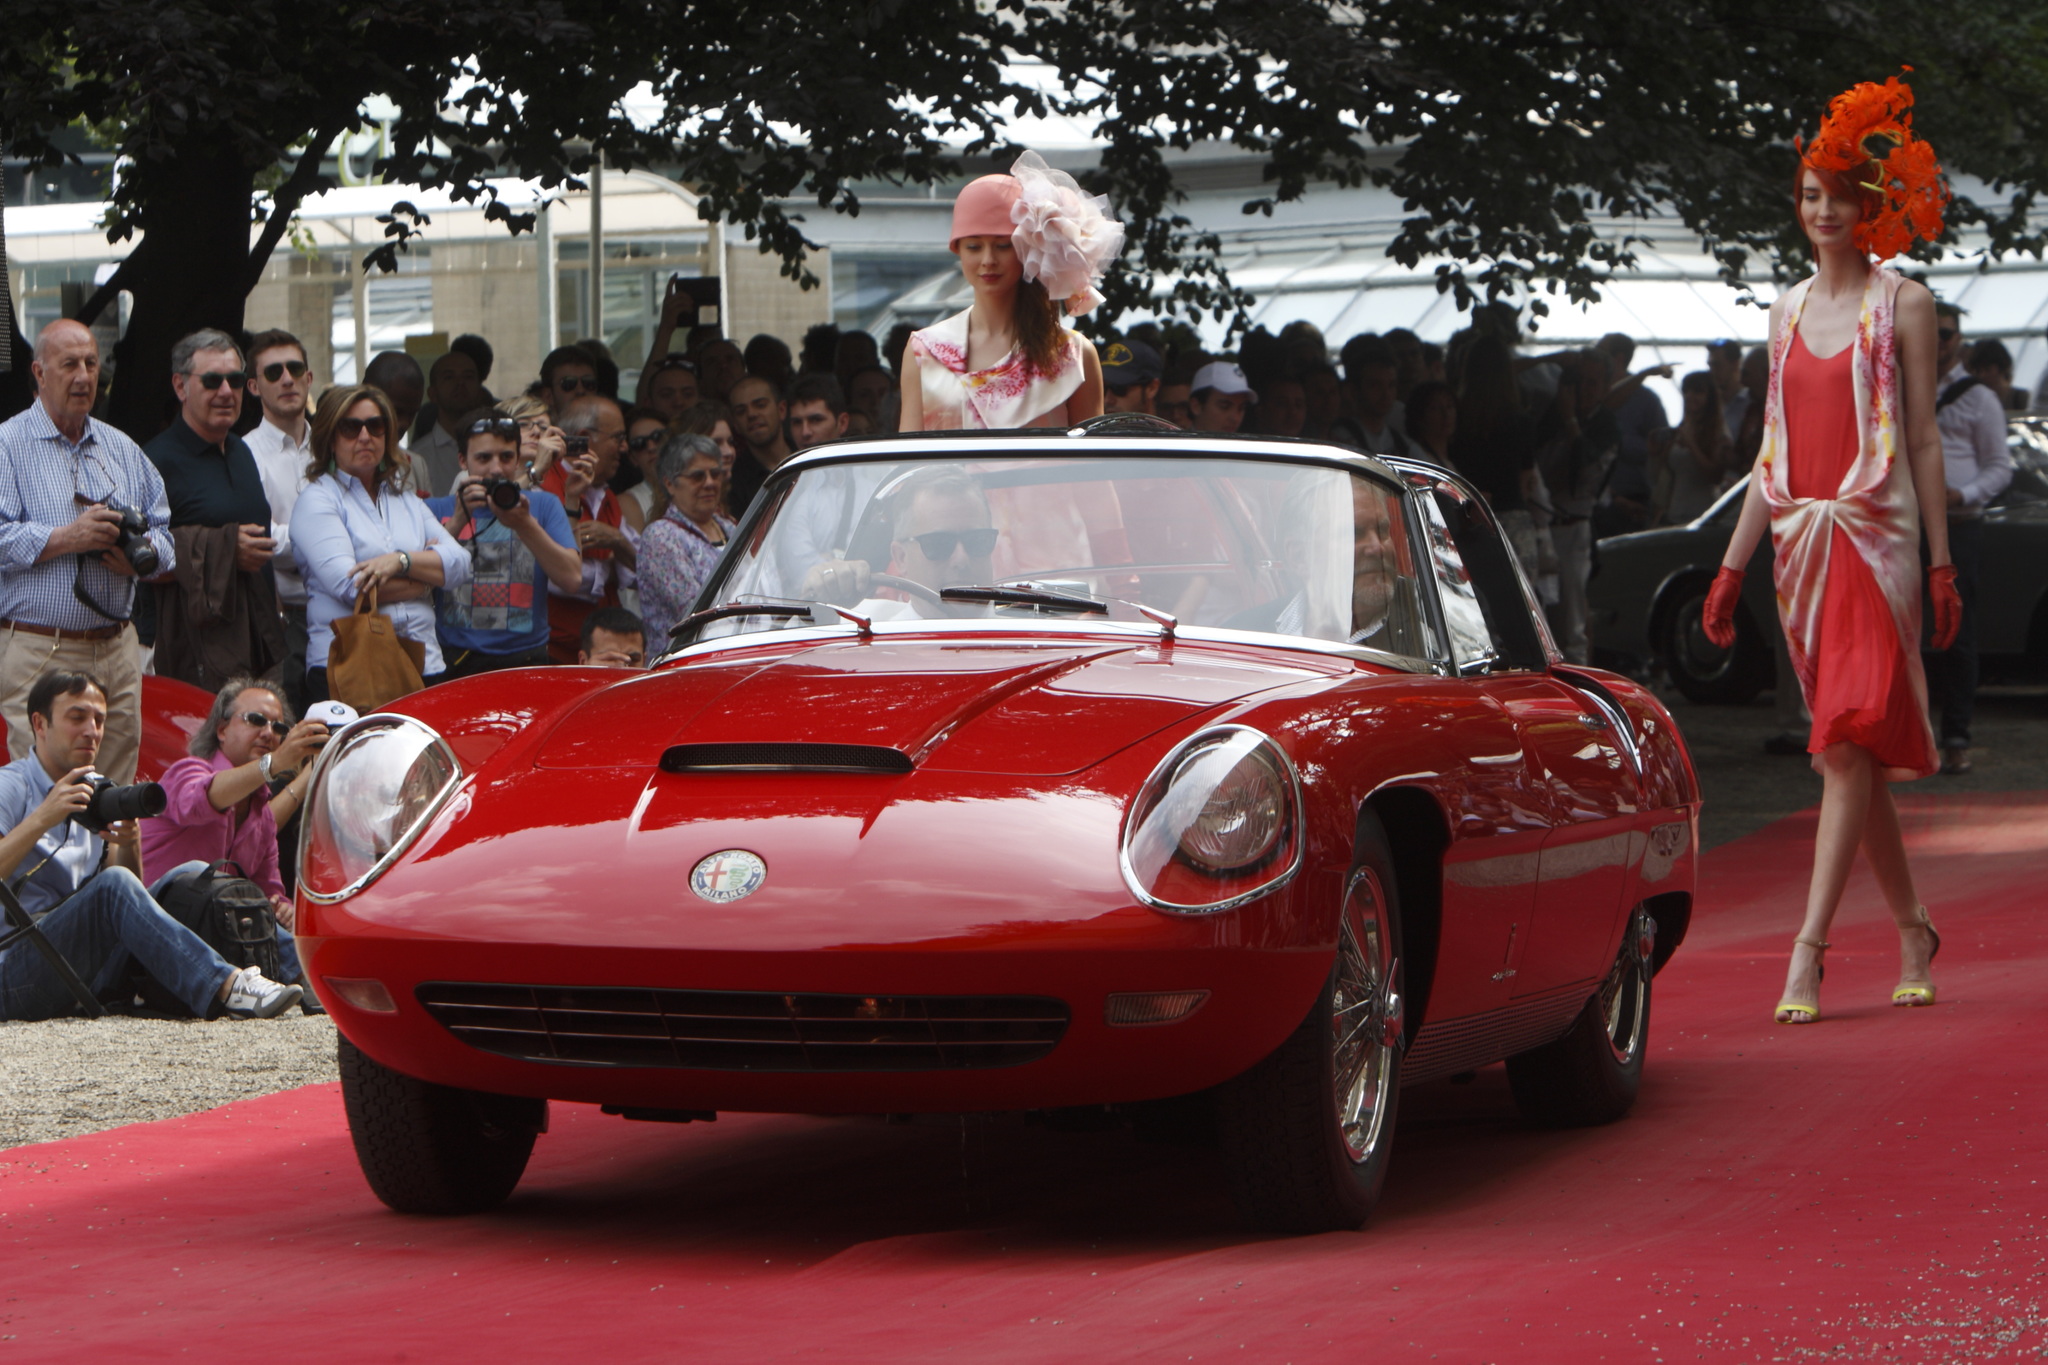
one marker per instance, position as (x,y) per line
(1850,470)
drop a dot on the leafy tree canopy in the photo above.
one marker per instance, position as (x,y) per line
(1524,137)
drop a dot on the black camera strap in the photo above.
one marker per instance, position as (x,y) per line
(84,594)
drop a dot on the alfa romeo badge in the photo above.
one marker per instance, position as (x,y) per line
(727,876)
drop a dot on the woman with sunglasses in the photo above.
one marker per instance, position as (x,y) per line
(679,548)
(355,528)
(247,773)
(714,419)
(645,499)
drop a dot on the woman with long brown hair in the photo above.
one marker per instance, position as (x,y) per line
(1024,241)
(1849,475)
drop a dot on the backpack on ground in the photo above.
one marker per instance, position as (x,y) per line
(227,910)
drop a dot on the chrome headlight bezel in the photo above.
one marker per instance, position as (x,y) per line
(1147,850)
(349,745)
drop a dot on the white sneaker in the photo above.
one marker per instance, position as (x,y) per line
(252,995)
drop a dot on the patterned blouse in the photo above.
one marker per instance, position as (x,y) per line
(1010,393)
(675,559)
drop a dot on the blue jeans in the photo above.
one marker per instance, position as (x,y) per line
(99,929)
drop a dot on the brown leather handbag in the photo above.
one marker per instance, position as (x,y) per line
(370,663)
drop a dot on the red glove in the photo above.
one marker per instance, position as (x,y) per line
(1719,617)
(1948,605)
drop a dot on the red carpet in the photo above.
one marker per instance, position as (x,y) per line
(1868,1188)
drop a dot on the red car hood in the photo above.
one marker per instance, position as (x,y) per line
(1002,706)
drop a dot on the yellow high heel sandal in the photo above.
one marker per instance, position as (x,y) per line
(1913,996)
(1791,1011)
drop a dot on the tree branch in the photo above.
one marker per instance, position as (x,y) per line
(111,290)
(284,200)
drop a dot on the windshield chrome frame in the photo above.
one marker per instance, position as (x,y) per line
(1034,446)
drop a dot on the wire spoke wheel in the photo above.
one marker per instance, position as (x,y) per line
(1364,1018)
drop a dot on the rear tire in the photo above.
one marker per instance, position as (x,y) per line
(432,1148)
(1306,1133)
(1593,1074)
(1701,670)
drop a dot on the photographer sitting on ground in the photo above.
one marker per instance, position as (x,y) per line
(248,773)
(87,892)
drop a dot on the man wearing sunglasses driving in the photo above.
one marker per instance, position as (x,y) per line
(217,616)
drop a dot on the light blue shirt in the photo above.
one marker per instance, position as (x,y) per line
(67,854)
(337,525)
(43,474)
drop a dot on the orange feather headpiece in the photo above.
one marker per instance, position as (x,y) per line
(1908,184)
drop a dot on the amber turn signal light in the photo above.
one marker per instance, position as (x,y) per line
(363,992)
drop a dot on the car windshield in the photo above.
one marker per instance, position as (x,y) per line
(1270,546)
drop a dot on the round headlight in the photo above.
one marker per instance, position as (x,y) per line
(1217,824)
(379,782)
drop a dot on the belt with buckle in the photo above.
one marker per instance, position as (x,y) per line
(96,633)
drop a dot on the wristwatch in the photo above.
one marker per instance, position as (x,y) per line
(263,767)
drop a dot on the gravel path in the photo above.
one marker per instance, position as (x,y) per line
(63,1077)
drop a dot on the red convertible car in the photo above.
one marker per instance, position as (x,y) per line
(1018,771)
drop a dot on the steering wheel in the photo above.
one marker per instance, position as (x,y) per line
(915,589)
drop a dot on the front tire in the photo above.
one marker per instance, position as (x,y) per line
(1593,1074)
(1306,1133)
(432,1148)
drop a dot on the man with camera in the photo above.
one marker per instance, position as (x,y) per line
(217,617)
(75,834)
(596,432)
(82,516)
(519,542)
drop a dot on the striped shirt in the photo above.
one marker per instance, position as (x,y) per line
(45,481)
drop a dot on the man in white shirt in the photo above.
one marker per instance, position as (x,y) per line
(281,443)
(1978,464)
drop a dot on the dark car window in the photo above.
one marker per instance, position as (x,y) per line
(1477,584)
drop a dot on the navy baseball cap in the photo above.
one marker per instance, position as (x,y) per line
(1125,363)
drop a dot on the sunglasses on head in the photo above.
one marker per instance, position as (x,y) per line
(276,369)
(259,720)
(348,428)
(508,427)
(213,379)
(939,545)
(576,383)
(673,361)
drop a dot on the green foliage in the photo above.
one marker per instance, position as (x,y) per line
(1526,137)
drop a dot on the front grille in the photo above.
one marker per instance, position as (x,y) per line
(747,1030)
(843,758)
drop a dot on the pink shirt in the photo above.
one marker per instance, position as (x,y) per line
(190,829)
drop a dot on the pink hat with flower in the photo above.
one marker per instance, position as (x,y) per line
(983,209)
(1064,236)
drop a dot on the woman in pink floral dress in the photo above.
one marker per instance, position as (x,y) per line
(1024,241)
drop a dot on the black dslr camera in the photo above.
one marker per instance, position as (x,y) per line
(133,540)
(503,494)
(109,803)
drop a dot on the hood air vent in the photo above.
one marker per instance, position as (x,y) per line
(806,758)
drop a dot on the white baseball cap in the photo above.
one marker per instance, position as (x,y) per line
(332,714)
(1224,377)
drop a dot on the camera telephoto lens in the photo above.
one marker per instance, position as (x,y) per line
(110,803)
(503,493)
